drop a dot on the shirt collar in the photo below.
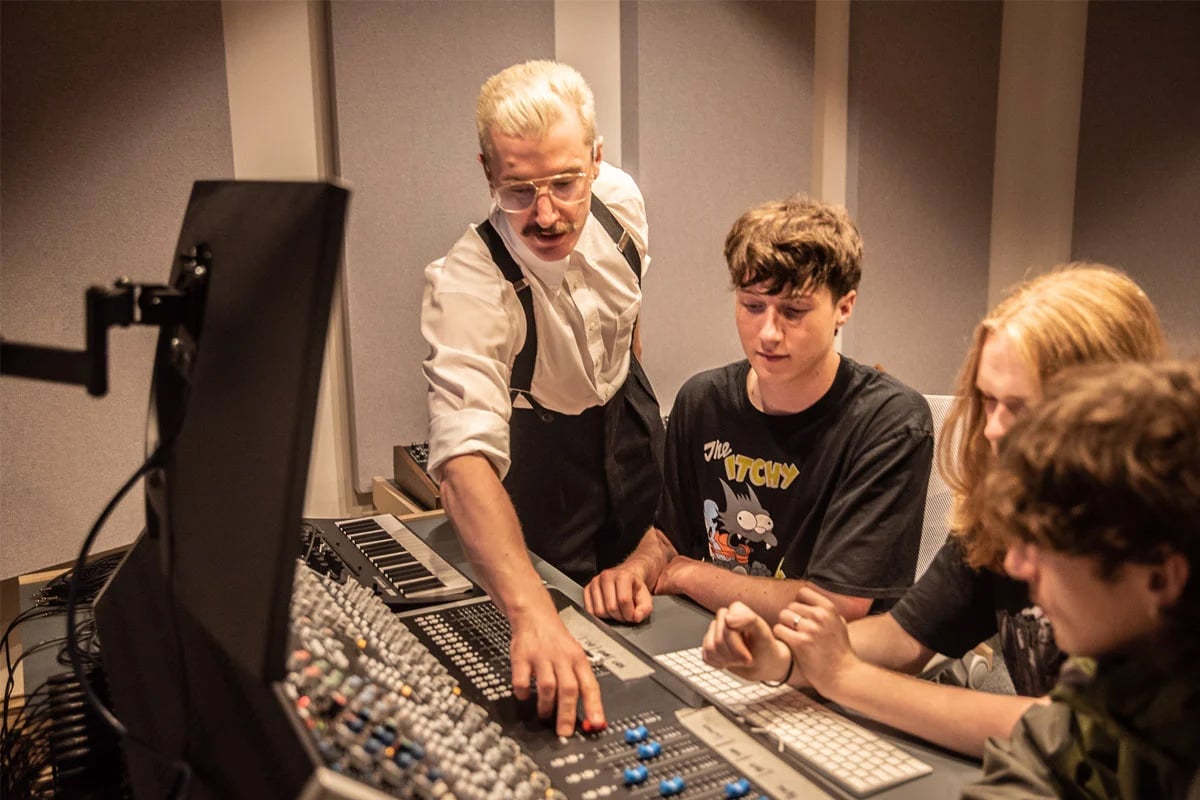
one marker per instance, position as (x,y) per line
(550,273)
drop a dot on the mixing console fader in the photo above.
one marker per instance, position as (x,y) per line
(419,705)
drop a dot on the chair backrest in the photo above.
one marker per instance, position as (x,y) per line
(938,497)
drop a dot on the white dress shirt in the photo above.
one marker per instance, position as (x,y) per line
(585,306)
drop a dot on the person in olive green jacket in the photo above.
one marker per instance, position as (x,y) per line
(1097,490)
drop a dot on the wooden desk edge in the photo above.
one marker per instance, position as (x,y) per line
(388,498)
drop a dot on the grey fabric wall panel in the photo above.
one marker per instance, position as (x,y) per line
(406,75)
(1137,191)
(110,111)
(717,116)
(924,78)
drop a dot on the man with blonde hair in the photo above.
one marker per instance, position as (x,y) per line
(796,463)
(541,418)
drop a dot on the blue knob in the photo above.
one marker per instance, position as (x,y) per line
(636,775)
(635,735)
(738,788)
(671,786)
(649,750)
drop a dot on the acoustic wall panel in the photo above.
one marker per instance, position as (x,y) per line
(717,117)
(923,88)
(1137,196)
(109,112)
(406,76)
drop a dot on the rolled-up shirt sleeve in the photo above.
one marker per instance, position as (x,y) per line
(474,331)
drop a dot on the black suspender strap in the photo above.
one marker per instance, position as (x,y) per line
(522,373)
(619,235)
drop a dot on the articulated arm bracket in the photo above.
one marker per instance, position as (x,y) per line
(124,304)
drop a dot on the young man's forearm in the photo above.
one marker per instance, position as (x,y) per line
(953,717)
(714,587)
(881,641)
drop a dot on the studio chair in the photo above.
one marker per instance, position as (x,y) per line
(974,668)
(938,497)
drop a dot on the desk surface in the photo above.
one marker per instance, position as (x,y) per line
(675,624)
(678,623)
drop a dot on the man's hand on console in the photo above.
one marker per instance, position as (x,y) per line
(544,650)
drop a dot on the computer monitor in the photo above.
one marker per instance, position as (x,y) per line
(193,626)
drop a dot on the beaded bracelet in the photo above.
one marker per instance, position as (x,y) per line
(786,678)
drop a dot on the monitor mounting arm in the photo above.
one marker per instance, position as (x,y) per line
(123,304)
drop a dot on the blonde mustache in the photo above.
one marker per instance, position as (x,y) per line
(557,229)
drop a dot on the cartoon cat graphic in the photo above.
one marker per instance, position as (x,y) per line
(731,532)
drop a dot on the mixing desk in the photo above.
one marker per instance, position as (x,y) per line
(419,705)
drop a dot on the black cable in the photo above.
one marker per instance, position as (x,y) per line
(86,631)
(26,757)
(25,616)
(91,580)
(10,683)
(73,593)
(37,648)
(29,741)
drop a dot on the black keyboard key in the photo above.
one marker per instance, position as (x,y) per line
(421,585)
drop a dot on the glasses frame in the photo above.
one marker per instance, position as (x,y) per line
(540,184)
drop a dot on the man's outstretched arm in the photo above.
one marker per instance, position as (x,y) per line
(542,648)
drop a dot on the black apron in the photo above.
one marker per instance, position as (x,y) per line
(585,486)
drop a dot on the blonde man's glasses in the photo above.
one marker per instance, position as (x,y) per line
(569,188)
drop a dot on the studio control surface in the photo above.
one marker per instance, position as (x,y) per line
(419,705)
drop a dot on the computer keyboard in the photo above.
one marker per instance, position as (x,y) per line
(849,755)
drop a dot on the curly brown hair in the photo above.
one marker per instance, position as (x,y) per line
(795,245)
(1078,313)
(1107,465)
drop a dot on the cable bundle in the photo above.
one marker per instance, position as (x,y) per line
(50,737)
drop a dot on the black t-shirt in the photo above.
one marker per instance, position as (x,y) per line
(954,607)
(834,494)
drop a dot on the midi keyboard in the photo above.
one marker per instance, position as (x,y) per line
(387,557)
